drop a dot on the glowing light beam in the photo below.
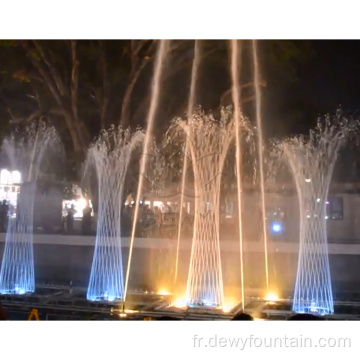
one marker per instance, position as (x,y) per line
(209,142)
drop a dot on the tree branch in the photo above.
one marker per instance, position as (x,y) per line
(46,78)
(82,132)
(134,77)
(104,102)
(74,80)
(68,102)
(55,74)
(244,86)
(34,115)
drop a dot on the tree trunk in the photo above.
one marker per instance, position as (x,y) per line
(125,108)
(77,140)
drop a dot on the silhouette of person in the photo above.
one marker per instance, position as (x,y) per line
(242,316)
(304,317)
(159,219)
(2,314)
(4,213)
(70,219)
(165,318)
(86,221)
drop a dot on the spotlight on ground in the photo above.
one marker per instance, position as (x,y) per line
(227,308)
(271,297)
(180,303)
(163,292)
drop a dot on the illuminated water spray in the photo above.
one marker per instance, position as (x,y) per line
(25,150)
(159,63)
(190,109)
(312,162)
(110,155)
(209,141)
(235,55)
(261,151)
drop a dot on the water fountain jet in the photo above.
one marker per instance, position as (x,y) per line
(191,102)
(109,155)
(25,150)
(235,52)
(261,151)
(209,140)
(159,63)
(312,161)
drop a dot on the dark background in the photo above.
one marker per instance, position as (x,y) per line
(303,79)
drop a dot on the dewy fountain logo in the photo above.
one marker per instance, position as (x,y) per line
(252,341)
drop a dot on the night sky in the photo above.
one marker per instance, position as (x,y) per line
(332,77)
(328,79)
(316,80)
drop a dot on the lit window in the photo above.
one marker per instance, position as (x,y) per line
(5,177)
(16,177)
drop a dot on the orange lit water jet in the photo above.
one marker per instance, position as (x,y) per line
(162,50)
(190,109)
(261,150)
(209,141)
(236,101)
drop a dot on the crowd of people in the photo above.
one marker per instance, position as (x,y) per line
(150,222)
(86,221)
(241,316)
(156,222)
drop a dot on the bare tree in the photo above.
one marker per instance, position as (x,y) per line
(63,90)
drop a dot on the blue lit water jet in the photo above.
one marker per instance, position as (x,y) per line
(25,150)
(110,155)
(312,161)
